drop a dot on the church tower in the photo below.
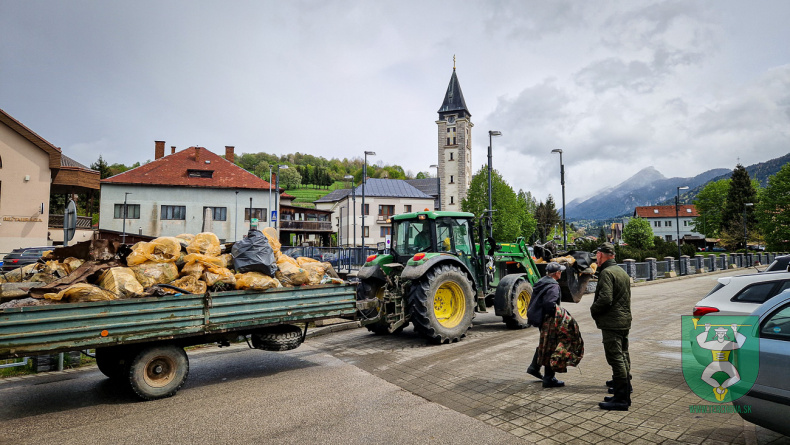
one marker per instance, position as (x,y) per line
(455,146)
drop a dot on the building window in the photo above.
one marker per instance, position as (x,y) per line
(200,173)
(667,237)
(448,141)
(366,231)
(667,223)
(685,223)
(451,156)
(452,200)
(386,231)
(656,223)
(132,211)
(256,213)
(366,210)
(386,211)
(174,213)
(407,208)
(217,213)
(454,143)
(452,179)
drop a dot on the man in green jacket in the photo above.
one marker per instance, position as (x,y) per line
(611,311)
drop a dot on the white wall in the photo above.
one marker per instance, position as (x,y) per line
(372,219)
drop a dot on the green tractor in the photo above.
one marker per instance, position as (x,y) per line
(441,269)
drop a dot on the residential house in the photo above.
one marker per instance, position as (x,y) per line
(33,170)
(189,191)
(383,198)
(665,222)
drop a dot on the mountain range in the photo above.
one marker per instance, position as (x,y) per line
(650,187)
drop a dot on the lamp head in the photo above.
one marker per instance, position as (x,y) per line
(685,187)
(557,150)
(433,166)
(370,153)
(494,133)
(348,177)
(748,204)
(282,166)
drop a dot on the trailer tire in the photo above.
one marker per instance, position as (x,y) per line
(113,362)
(278,338)
(442,304)
(158,371)
(518,300)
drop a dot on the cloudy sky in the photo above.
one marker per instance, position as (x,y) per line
(684,86)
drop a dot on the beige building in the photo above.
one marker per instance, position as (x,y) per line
(383,198)
(33,169)
(455,147)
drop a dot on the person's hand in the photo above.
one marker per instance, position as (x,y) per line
(734,328)
(707,327)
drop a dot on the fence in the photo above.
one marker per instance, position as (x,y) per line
(653,269)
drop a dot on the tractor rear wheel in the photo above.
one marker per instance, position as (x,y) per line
(519,302)
(442,304)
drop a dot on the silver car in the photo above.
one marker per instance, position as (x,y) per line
(742,294)
(768,401)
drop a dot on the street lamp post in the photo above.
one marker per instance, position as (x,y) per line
(745,238)
(491,134)
(438,185)
(269,209)
(354,206)
(677,216)
(562,181)
(125,214)
(277,197)
(364,180)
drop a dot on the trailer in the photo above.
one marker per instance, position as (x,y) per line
(141,341)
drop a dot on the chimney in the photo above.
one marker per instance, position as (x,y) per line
(229,153)
(172,149)
(197,154)
(159,150)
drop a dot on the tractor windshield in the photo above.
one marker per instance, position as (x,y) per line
(411,236)
(454,236)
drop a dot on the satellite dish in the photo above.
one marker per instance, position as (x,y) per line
(69,222)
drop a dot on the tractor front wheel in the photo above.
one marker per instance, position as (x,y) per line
(442,304)
(519,302)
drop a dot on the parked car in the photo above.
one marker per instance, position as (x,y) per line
(768,401)
(742,294)
(718,249)
(22,257)
(315,253)
(779,264)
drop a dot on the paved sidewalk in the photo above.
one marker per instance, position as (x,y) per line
(484,376)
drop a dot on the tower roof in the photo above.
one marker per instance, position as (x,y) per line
(454,98)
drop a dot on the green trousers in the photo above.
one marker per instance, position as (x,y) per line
(615,347)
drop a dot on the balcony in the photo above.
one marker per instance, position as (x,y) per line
(306,226)
(382,219)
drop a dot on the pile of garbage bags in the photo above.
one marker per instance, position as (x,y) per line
(185,263)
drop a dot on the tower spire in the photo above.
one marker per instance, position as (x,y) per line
(453,62)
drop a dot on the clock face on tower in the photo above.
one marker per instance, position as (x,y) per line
(450,119)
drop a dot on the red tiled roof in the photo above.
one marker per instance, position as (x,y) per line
(665,211)
(286,196)
(172,170)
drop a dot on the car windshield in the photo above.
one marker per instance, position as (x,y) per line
(410,237)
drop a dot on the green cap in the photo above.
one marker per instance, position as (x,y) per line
(606,248)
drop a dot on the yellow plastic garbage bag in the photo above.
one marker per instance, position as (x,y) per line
(315,271)
(256,281)
(215,275)
(55,268)
(206,243)
(187,237)
(189,283)
(302,260)
(194,268)
(274,240)
(151,273)
(21,273)
(72,263)
(206,260)
(290,274)
(82,292)
(121,282)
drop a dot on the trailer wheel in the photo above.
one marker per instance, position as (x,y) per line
(277,338)
(519,302)
(159,371)
(442,304)
(113,362)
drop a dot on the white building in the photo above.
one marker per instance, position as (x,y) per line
(383,199)
(189,191)
(664,223)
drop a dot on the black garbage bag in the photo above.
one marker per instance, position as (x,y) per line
(254,254)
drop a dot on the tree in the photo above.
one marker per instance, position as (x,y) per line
(638,234)
(602,235)
(547,217)
(527,203)
(290,178)
(102,167)
(710,203)
(772,210)
(741,191)
(509,217)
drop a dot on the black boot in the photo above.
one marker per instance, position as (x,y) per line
(611,398)
(534,367)
(621,400)
(549,381)
(630,389)
(610,385)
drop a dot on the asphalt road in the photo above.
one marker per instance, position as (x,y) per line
(355,387)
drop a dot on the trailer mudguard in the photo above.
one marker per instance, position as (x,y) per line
(415,272)
(373,271)
(503,290)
